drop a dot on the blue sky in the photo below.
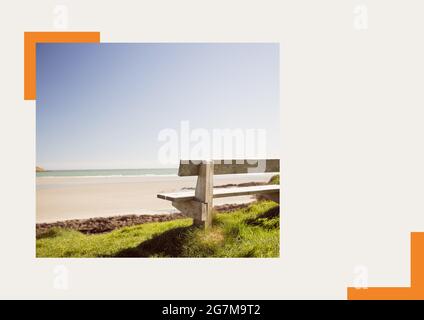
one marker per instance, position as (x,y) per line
(102,106)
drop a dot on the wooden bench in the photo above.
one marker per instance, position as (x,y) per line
(198,203)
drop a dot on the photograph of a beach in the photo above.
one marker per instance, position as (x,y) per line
(158,150)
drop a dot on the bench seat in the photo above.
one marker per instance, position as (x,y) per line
(221,192)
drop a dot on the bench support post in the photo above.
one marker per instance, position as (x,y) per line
(190,208)
(204,193)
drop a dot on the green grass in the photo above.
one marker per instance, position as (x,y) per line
(249,232)
(275,179)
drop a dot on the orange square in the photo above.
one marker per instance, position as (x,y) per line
(30,41)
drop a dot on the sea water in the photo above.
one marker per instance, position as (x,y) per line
(109,173)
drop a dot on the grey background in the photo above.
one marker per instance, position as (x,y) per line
(352,151)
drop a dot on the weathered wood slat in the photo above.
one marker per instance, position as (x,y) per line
(221,192)
(191,168)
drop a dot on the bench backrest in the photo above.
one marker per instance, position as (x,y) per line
(191,167)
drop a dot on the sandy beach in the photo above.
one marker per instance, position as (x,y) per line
(64,198)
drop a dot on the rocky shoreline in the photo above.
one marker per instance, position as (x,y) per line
(102,225)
